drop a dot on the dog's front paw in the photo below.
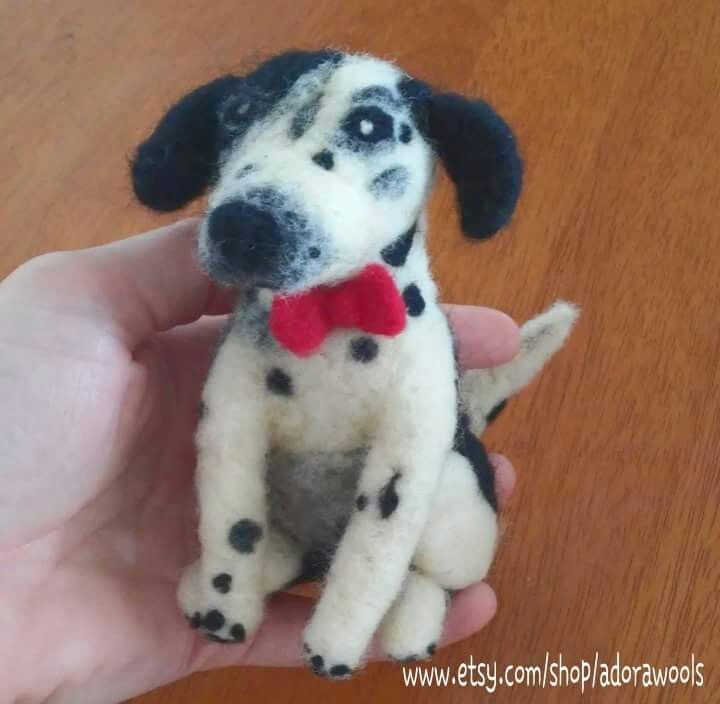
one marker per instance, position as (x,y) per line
(335,639)
(322,666)
(212,606)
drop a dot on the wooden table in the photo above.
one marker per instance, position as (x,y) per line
(611,541)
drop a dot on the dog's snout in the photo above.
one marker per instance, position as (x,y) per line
(248,237)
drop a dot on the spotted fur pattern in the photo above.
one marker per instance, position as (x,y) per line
(354,462)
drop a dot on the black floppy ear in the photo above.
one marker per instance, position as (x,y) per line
(481,157)
(177,162)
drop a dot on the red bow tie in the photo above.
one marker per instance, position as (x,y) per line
(369,301)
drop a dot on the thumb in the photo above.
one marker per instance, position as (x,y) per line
(135,287)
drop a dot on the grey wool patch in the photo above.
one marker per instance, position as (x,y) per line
(314,518)
(305,117)
(391,183)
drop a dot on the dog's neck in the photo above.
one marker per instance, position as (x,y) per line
(407,260)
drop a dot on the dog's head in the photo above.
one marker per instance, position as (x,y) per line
(317,161)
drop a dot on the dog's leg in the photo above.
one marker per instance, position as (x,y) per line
(455,550)
(393,500)
(458,544)
(411,629)
(223,593)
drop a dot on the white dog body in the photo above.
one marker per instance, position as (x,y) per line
(351,454)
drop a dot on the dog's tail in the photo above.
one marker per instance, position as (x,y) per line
(484,392)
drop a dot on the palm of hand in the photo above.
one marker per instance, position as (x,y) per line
(99,514)
(106,545)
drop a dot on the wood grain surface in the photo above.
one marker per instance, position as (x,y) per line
(611,541)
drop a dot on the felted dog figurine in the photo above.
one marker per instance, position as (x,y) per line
(336,433)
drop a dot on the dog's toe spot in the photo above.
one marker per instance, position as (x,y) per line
(318,664)
(213,620)
(340,671)
(431,648)
(238,632)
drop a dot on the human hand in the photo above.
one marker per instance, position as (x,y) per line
(104,354)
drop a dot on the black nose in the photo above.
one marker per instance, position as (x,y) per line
(248,237)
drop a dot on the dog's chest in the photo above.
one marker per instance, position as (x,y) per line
(334,399)
(331,400)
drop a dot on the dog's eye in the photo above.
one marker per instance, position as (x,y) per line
(368,125)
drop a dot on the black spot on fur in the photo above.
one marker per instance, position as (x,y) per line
(405,133)
(244,535)
(474,451)
(304,117)
(340,671)
(395,254)
(318,665)
(391,183)
(324,159)
(222,582)
(237,632)
(431,648)
(201,409)
(195,620)
(279,382)
(363,349)
(496,411)
(314,252)
(414,301)
(248,168)
(213,620)
(361,502)
(388,498)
